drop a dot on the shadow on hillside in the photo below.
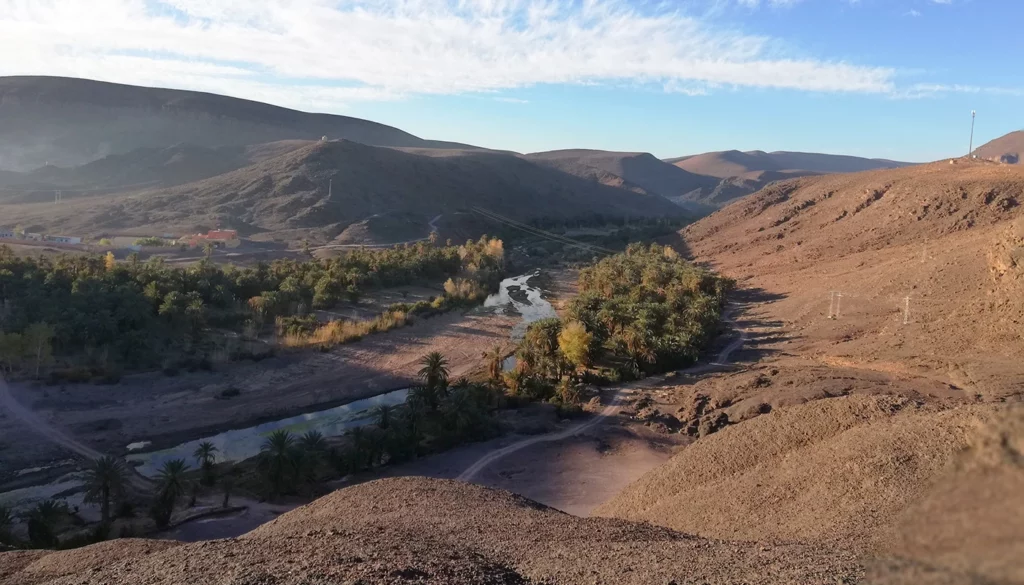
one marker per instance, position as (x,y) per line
(764,336)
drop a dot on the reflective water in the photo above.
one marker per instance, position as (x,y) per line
(239,444)
(527,300)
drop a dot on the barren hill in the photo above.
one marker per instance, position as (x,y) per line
(733,163)
(1007,149)
(436,531)
(333,184)
(880,406)
(138,169)
(943,243)
(636,168)
(743,173)
(69,122)
(884,476)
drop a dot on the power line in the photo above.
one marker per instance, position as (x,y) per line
(541,233)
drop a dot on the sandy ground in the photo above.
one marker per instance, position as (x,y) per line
(169,410)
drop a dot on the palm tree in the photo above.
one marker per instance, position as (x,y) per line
(105,483)
(227,483)
(6,521)
(460,412)
(434,371)
(495,363)
(42,523)
(383,415)
(278,459)
(312,453)
(171,481)
(205,456)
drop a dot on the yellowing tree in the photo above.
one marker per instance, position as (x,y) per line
(574,342)
(109,261)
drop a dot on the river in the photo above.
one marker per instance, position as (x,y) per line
(515,294)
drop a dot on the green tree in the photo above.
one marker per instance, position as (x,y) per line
(172,483)
(205,456)
(434,372)
(38,340)
(278,461)
(312,455)
(105,482)
(574,342)
(6,524)
(43,521)
(383,415)
(495,359)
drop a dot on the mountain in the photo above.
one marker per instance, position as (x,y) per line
(137,169)
(70,122)
(743,173)
(1006,149)
(733,163)
(336,183)
(635,168)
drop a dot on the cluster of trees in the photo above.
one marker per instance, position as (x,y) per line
(638,312)
(132,314)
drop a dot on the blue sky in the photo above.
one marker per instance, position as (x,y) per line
(884,78)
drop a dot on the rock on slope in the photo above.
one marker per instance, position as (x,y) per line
(70,122)
(437,531)
(885,476)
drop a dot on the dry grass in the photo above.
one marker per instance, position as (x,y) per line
(340,332)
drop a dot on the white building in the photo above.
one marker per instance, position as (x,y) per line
(6,233)
(64,239)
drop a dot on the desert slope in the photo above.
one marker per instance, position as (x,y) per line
(948,236)
(336,183)
(69,122)
(1006,149)
(885,476)
(438,531)
(637,168)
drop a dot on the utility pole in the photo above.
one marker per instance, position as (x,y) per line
(831,303)
(971,150)
(906,309)
(835,301)
(839,302)
(330,187)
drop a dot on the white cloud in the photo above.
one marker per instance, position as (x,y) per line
(927,90)
(914,13)
(320,54)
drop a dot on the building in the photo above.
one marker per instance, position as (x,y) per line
(63,239)
(216,237)
(6,233)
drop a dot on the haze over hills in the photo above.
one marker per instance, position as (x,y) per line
(1006,149)
(69,122)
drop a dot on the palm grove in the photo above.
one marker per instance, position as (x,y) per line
(638,312)
(93,314)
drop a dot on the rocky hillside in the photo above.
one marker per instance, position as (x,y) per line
(743,173)
(333,184)
(885,476)
(635,168)
(939,245)
(70,122)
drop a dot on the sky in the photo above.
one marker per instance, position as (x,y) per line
(881,78)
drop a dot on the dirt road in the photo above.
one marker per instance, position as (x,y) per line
(721,360)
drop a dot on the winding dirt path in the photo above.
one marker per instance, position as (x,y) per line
(38,425)
(721,360)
